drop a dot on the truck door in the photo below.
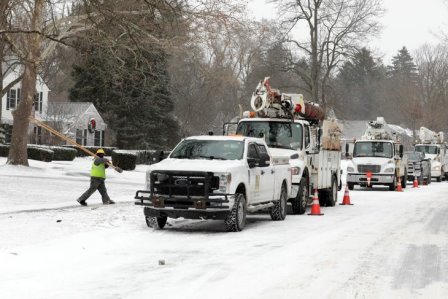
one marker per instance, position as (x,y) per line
(258,176)
(267,178)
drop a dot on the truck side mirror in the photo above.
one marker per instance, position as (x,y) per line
(401,150)
(265,160)
(252,162)
(347,149)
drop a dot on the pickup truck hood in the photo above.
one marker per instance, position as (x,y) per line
(196,165)
(281,152)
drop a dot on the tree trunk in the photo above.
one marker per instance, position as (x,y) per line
(18,150)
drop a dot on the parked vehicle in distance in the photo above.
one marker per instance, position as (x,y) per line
(434,147)
(418,166)
(216,177)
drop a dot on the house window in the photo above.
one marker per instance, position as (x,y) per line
(38,100)
(84,137)
(79,136)
(38,135)
(99,138)
(11,99)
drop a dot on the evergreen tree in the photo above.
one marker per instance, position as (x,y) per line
(130,89)
(403,66)
(359,81)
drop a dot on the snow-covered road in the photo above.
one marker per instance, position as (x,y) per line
(387,245)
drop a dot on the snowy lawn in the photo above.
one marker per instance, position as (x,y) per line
(387,245)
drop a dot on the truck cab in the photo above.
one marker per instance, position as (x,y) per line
(216,177)
(436,153)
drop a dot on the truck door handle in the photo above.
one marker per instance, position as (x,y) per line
(272,171)
(262,172)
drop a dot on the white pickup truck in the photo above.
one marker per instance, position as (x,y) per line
(216,177)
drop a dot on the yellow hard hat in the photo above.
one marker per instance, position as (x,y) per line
(100,151)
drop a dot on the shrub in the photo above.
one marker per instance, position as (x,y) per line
(124,159)
(40,153)
(4,150)
(63,153)
(93,149)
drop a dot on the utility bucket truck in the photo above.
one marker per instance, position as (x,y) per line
(377,158)
(432,144)
(297,130)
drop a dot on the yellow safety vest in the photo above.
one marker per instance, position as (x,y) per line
(98,171)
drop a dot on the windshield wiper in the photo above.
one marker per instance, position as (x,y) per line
(280,146)
(209,157)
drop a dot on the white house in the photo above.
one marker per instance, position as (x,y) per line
(78,120)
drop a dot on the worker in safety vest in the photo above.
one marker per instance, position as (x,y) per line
(97,179)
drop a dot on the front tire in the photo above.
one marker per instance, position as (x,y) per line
(236,220)
(404,181)
(351,186)
(393,185)
(278,211)
(156,222)
(300,201)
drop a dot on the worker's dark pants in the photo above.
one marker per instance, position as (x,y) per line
(96,184)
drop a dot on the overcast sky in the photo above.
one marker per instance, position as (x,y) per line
(409,23)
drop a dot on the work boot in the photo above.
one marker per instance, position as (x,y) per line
(82,202)
(109,202)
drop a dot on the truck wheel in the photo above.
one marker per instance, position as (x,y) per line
(404,181)
(236,220)
(156,222)
(332,194)
(278,211)
(300,201)
(421,179)
(439,179)
(350,186)
(393,186)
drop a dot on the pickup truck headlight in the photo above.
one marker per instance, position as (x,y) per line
(389,170)
(295,170)
(436,168)
(350,169)
(224,180)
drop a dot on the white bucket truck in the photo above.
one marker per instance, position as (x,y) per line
(377,158)
(432,144)
(298,131)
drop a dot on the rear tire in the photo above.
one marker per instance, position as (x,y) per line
(278,211)
(156,222)
(236,220)
(300,201)
(439,179)
(328,197)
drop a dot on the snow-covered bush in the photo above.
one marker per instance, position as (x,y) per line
(93,149)
(40,153)
(126,160)
(63,153)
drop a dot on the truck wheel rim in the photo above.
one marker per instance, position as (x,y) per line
(304,197)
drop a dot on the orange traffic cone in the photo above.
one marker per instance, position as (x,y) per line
(346,199)
(315,208)
(415,183)
(399,188)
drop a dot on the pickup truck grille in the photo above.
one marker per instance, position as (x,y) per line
(183,183)
(369,168)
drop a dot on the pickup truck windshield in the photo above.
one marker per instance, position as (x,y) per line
(373,149)
(209,149)
(277,134)
(427,149)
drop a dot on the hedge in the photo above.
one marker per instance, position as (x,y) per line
(93,149)
(126,160)
(63,153)
(40,153)
(4,150)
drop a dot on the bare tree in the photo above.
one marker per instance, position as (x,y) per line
(335,29)
(432,63)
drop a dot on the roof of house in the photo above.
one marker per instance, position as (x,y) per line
(70,110)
